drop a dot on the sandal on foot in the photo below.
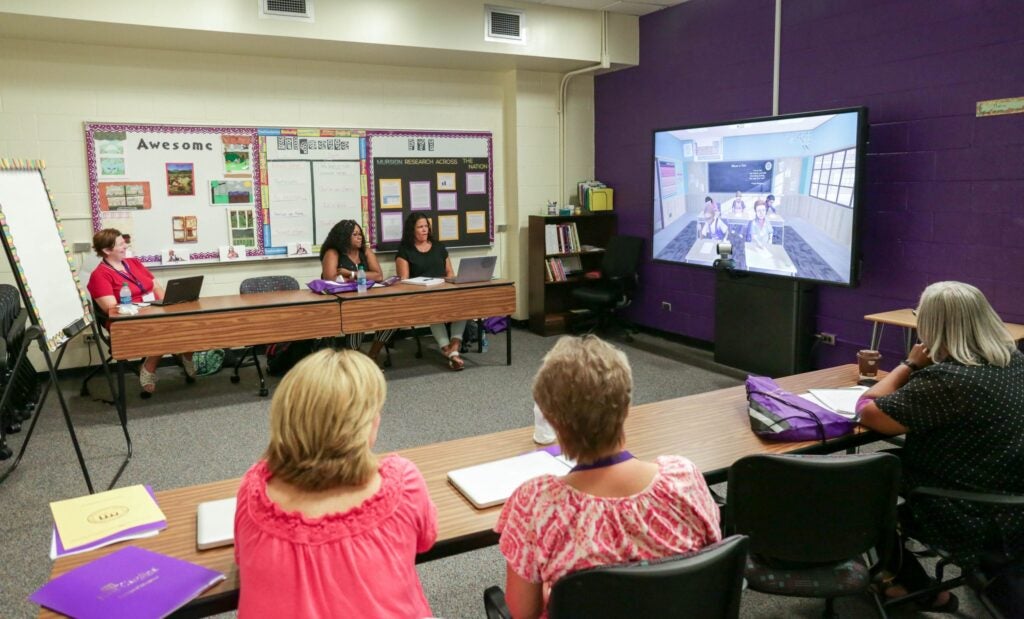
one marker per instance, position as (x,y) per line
(189,366)
(147,380)
(455,362)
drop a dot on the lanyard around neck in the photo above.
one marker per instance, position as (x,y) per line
(601,463)
(126,274)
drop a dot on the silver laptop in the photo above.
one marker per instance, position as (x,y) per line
(215,524)
(181,290)
(474,270)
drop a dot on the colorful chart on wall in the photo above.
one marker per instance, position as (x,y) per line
(176,189)
(312,179)
(39,255)
(446,175)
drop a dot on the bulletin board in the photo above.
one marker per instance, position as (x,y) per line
(183,193)
(448,176)
(200,194)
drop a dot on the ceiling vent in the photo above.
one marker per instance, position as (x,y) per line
(504,25)
(295,9)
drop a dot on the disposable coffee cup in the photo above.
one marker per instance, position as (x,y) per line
(867,364)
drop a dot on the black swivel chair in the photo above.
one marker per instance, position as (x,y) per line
(812,520)
(996,576)
(702,585)
(615,290)
(250,358)
(100,316)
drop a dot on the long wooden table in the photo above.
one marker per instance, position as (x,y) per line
(262,318)
(709,428)
(907,319)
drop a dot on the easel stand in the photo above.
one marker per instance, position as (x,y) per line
(34,333)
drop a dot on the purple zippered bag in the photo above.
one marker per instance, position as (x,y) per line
(322,286)
(778,415)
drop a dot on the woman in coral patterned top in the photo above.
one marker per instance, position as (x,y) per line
(324,528)
(611,508)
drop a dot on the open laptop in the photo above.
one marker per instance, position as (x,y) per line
(474,270)
(181,290)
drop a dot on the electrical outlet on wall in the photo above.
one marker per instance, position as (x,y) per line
(828,339)
(79,247)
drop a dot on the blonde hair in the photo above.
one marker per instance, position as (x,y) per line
(583,387)
(321,420)
(955,320)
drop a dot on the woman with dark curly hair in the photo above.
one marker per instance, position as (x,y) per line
(341,254)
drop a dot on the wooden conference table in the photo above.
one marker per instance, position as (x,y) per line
(907,319)
(709,428)
(246,320)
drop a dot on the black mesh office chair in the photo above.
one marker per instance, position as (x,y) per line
(250,356)
(812,520)
(101,319)
(702,585)
(617,286)
(997,576)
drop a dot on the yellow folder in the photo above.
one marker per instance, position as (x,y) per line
(601,198)
(89,518)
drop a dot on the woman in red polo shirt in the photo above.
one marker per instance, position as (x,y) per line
(115,270)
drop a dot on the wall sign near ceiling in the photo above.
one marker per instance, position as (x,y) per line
(999,107)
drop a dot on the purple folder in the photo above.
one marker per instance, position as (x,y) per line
(130,582)
(159,525)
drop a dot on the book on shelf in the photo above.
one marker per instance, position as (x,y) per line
(96,520)
(492,483)
(131,582)
(561,238)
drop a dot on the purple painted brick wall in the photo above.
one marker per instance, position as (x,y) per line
(944,197)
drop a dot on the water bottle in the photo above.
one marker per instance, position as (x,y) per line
(360,279)
(543,433)
(483,342)
(126,294)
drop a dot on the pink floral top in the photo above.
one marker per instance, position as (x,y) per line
(357,563)
(549,529)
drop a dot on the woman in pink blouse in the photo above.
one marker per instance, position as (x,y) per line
(611,508)
(323,527)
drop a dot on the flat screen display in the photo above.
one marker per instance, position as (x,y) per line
(782,191)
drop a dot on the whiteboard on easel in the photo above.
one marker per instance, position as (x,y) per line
(39,256)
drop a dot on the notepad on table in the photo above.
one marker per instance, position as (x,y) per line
(215,523)
(109,515)
(131,582)
(841,401)
(57,548)
(424,281)
(492,483)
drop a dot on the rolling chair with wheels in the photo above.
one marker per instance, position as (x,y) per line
(617,286)
(997,576)
(812,521)
(705,584)
(101,319)
(250,356)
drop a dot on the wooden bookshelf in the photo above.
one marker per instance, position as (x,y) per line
(550,301)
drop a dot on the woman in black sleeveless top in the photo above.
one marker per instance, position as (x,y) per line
(341,253)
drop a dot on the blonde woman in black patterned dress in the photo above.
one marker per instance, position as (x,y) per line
(959,398)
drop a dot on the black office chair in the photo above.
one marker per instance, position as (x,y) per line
(101,317)
(250,356)
(617,286)
(997,576)
(702,585)
(812,520)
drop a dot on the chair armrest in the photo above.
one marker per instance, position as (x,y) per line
(988,498)
(494,604)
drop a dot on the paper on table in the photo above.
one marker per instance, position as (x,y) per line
(493,482)
(89,518)
(55,553)
(841,401)
(706,248)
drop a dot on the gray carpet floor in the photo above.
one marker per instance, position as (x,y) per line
(214,430)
